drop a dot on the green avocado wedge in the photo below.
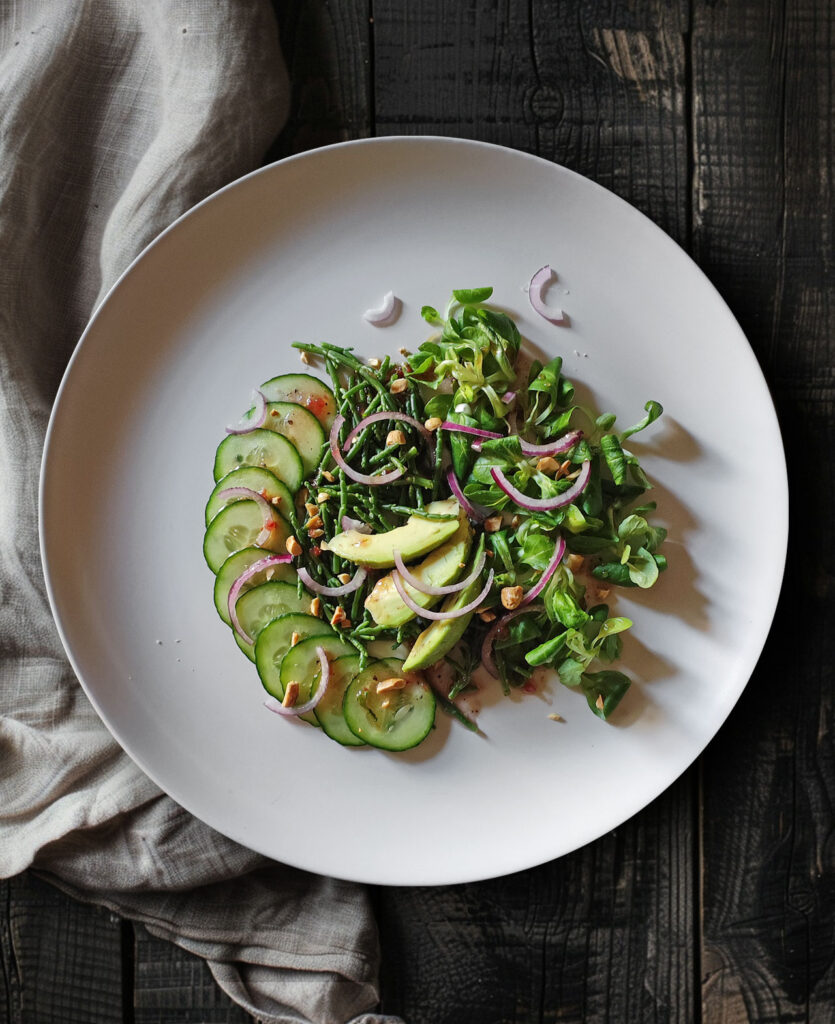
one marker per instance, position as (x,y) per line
(439,638)
(443,566)
(418,536)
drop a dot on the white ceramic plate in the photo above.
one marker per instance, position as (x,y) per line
(297,251)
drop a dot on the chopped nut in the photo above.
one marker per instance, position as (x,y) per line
(512,597)
(294,639)
(275,413)
(374,363)
(323,496)
(293,546)
(398,385)
(395,683)
(492,524)
(433,423)
(344,577)
(488,615)
(324,546)
(305,358)
(515,521)
(276,500)
(599,702)
(311,508)
(314,522)
(326,473)
(316,533)
(576,563)
(404,351)
(291,694)
(395,437)
(386,703)
(555,717)
(338,616)
(574,475)
(547,465)
(315,606)
(564,468)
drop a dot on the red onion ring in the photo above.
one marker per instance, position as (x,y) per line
(375,417)
(475,512)
(346,588)
(385,313)
(535,289)
(508,397)
(562,444)
(426,613)
(269,512)
(255,421)
(543,504)
(462,428)
(246,575)
(493,632)
(301,709)
(540,585)
(361,478)
(428,588)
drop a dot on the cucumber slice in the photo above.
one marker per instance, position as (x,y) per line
(264,448)
(237,527)
(302,664)
(256,479)
(328,711)
(232,569)
(304,390)
(264,603)
(276,639)
(300,427)
(407,720)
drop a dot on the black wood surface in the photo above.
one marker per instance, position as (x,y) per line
(716,903)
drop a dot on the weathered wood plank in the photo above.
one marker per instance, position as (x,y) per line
(61,960)
(764,76)
(327,48)
(172,986)
(607,933)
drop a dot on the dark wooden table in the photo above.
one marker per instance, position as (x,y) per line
(717,902)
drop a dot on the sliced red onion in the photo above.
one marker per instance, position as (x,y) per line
(562,444)
(357,525)
(535,289)
(508,397)
(540,585)
(426,613)
(498,627)
(266,508)
(361,478)
(475,512)
(385,313)
(543,504)
(256,420)
(346,588)
(246,575)
(301,709)
(385,415)
(428,588)
(462,428)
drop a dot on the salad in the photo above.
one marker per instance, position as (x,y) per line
(379,535)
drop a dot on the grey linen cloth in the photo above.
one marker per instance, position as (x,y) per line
(117,116)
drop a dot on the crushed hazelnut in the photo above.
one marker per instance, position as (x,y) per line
(515,521)
(311,508)
(314,522)
(433,423)
(404,351)
(294,639)
(293,546)
(315,606)
(323,496)
(599,702)
(316,533)
(326,473)
(547,465)
(395,683)
(276,500)
(512,597)
(575,562)
(291,694)
(492,524)
(488,615)
(338,616)
(555,717)
(398,385)
(374,363)
(305,358)
(344,577)
(395,437)
(564,468)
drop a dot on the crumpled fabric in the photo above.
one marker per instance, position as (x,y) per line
(117,116)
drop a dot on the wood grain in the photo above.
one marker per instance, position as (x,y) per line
(763,80)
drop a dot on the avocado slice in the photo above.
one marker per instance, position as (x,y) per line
(442,635)
(418,536)
(441,567)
